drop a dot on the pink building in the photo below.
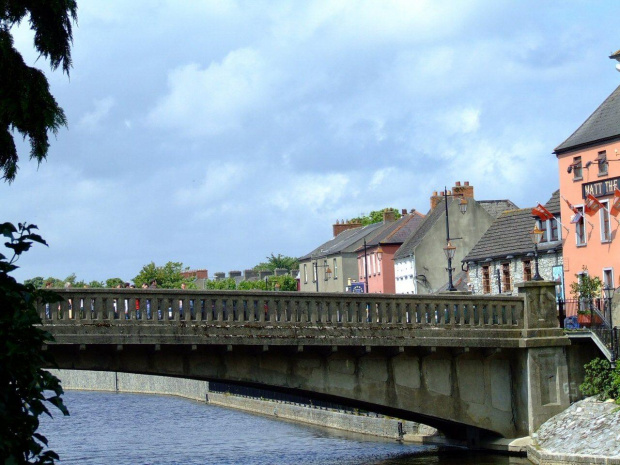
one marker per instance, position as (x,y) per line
(375,262)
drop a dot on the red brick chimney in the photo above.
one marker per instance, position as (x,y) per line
(341,226)
(466,191)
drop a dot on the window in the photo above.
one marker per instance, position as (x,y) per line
(580,227)
(554,231)
(325,278)
(305,272)
(542,225)
(486,279)
(527,270)
(608,278)
(314,270)
(373,261)
(577,169)
(605,226)
(378,265)
(506,287)
(335,269)
(603,164)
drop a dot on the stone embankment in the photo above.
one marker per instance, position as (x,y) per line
(199,390)
(587,432)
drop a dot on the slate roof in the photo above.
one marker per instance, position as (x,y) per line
(343,242)
(398,231)
(497,207)
(508,235)
(553,204)
(459,280)
(430,219)
(603,124)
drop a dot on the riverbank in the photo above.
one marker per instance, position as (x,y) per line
(587,432)
(199,390)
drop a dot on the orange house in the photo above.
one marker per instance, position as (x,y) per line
(589,165)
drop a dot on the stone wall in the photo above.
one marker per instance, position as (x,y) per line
(546,262)
(199,390)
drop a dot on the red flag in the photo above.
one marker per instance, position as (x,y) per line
(571,206)
(615,203)
(592,205)
(542,213)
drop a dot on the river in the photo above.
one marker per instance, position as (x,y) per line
(109,428)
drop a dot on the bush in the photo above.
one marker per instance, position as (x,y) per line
(601,380)
(25,387)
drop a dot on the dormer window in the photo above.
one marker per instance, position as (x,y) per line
(602,162)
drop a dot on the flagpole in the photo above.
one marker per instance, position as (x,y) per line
(583,214)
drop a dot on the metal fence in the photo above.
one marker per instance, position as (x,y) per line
(593,315)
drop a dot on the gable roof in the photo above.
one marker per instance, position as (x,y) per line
(508,235)
(429,220)
(496,207)
(343,242)
(553,204)
(602,125)
(398,231)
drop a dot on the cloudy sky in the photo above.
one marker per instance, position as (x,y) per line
(217,132)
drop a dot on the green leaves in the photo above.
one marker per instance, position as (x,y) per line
(26,104)
(601,380)
(23,381)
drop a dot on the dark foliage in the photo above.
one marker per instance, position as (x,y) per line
(25,387)
(26,104)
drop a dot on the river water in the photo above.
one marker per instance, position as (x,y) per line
(109,428)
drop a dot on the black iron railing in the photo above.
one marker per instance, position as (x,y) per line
(593,315)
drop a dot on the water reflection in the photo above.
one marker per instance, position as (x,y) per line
(132,429)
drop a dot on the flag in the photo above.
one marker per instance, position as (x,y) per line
(592,205)
(615,203)
(576,218)
(542,213)
(571,206)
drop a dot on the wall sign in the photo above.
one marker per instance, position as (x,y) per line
(600,188)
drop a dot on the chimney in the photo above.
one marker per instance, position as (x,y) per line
(465,190)
(435,199)
(341,226)
(403,212)
(389,215)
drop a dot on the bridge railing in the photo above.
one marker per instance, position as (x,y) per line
(159,306)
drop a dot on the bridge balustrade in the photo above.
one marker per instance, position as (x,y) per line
(159,306)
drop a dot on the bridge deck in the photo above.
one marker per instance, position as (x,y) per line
(154,316)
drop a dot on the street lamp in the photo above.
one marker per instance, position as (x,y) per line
(328,272)
(449,249)
(536,236)
(608,293)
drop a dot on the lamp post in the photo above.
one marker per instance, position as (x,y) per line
(365,267)
(328,272)
(608,293)
(449,249)
(536,235)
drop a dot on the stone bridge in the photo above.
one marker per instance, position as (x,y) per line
(471,366)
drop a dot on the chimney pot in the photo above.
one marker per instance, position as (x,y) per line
(403,211)
(457,183)
(467,183)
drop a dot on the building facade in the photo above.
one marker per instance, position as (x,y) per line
(420,263)
(505,254)
(332,266)
(589,171)
(375,262)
